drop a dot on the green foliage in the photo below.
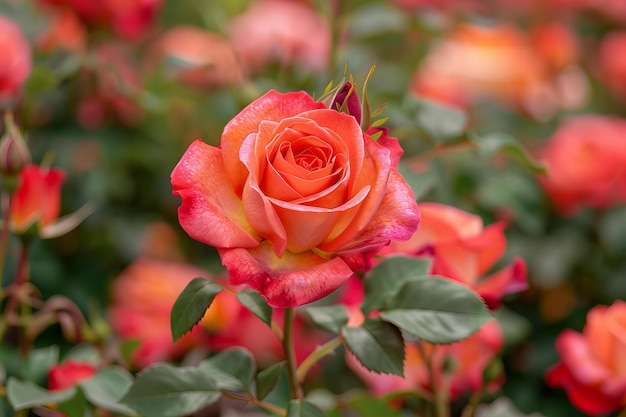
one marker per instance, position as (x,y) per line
(191,305)
(377,345)
(257,305)
(436,310)
(232,369)
(169,391)
(388,277)
(299,408)
(368,406)
(23,395)
(494,142)
(267,379)
(330,318)
(106,389)
(440,123)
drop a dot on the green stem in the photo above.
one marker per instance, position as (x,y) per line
(259,403)
(470,409)
(295,390)
(21,277)
(440,397)
(321,351)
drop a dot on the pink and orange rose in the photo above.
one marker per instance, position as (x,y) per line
(458,368)
(586,160)
(464,250)
(296,198)
(592,369)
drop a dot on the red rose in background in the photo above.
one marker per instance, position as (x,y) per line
(611,63)
(128,19)
(37,200)
(295,198)
(68,374)
(591,369)
(586,160)
(16,59)
(463,250)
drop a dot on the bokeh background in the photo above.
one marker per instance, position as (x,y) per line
(119,89)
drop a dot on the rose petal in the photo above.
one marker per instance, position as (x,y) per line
(397,217)
(290,281)
(210,211)
(508,280)
(576,354)
(588,398)
(490,246)
(375,172)
(308,226)
(272,106)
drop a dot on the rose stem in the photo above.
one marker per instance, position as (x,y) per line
(295,390)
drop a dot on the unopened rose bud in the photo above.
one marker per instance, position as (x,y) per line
(14,154)
(348,101)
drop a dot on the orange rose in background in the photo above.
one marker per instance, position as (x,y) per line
(586,160)
(16,59)
(142,299)
(296,198)
(591,369)
(69,374)
(497,63)
(463,250)
(458,367)
(281,31)
(205,59)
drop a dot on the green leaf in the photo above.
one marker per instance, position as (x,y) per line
(441,123)
(436,310)
(330,318)
(167,391)
(377,345)
(492,143)
(191,305)
(107,388)
(299,408)
(24,395)
(232,369)
(257,305)
(386,279)
(75,406)
(267,379)
(367,406)
(39,362)
(420,182)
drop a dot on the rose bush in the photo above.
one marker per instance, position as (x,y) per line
(296,198)
(591,369)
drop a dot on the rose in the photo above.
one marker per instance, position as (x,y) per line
(463,250)
(208,59)
(281,31)
(591,368)
(611,63)
(458,367)
(295,199)
(16,61)
(68,374)
(143,296)
(585,159)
